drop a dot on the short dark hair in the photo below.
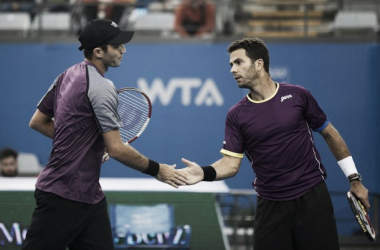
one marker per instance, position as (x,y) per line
(89,53)
(255,48)
(6,152)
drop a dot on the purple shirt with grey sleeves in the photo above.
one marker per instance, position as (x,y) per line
(276,135)
(84,105)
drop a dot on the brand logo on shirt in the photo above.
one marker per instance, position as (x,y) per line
(283,98)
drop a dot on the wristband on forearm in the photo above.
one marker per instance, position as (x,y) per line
(348,167)
(209,173)
(355,177)
(153,168)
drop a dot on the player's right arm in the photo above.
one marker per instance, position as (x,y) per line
(42,123)
(124,153)
(130,157)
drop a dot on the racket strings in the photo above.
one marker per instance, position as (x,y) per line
(134,112)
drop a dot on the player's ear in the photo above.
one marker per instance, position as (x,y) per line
(98,52)
(259,64)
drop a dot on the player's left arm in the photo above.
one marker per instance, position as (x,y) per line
(342,154)
(42,123)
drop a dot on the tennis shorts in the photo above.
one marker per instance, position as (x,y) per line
(306,223)
(58,223)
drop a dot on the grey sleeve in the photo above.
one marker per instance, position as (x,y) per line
(103,98)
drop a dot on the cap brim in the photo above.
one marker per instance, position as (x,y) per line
(123,37)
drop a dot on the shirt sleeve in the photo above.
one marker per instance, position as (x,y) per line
(314,115)
(103,98)
(46,104)
(233,144)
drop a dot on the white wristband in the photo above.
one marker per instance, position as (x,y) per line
(348,166)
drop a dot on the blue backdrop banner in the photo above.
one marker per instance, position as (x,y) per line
(192,89)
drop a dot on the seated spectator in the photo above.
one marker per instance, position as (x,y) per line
(114,9)
(195,18)
(28,6)
(58,6)
(8,162)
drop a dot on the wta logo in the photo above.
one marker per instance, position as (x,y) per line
(191,90)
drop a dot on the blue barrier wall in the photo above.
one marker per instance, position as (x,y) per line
(192,89)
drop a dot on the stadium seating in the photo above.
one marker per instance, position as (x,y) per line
(28,164)
(52,22)
(17,24)
(154,22)
(355,21)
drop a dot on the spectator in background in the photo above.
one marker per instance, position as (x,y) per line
(27,6)
(58,6)
(8,162)
(195,18)
(113,9)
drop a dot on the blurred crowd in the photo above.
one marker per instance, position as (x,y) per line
(192,17)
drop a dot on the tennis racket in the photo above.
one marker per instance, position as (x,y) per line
(135,110)
(361,216)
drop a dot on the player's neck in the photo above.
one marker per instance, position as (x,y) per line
(263,89)
(99,65)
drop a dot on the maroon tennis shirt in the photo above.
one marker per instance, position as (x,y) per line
(84,105)
(276,136)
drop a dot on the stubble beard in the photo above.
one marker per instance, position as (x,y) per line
(244,85)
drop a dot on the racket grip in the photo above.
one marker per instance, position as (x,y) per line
(105,157)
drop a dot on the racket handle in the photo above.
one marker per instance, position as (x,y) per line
(105,157)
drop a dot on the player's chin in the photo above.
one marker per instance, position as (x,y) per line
(240,84)
(115,64)
(243,86)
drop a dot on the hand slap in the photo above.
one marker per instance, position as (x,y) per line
(169,175)
(193,170)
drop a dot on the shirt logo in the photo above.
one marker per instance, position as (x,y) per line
(285,97)
(114,24)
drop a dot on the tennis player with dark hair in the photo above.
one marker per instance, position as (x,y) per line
(273,127)
(79,112)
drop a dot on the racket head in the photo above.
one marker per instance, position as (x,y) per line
(135,110)
(361,216)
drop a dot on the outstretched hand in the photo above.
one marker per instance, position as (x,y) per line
(169,175)
(193,171)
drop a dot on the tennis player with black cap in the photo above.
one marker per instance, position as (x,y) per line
(101,31)
(79,112)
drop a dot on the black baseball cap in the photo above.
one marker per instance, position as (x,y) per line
(103,31)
